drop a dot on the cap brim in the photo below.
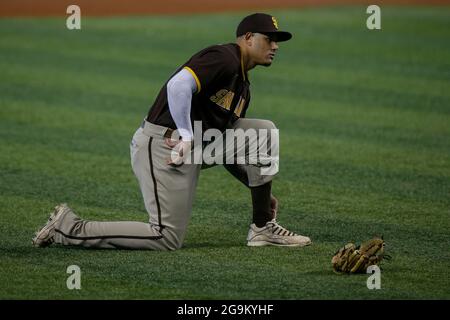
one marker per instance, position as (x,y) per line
(279,36)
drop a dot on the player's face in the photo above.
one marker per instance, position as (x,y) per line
(263,49)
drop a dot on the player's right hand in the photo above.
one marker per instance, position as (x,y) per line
(180,150)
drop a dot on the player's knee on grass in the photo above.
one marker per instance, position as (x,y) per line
(173,240)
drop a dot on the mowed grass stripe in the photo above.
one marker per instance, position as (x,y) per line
(407,91)
(335,152)
(361,195)
(87,81)
(349,167)
(346,93)
(354,199)
(381,115)
(361,79)
(345,122)
(81,62)
(42,116)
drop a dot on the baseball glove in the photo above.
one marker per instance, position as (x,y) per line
(353,259)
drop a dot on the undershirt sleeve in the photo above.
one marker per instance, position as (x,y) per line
(179,95)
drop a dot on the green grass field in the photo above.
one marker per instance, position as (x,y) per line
(364,119)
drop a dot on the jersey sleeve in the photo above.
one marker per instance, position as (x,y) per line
(210,67)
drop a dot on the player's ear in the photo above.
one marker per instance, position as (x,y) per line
(248,38)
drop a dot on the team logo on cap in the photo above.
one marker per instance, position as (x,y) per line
(275,22)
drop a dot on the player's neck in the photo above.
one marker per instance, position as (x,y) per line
(247,62)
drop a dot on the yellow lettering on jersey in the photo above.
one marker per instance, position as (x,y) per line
(240,106)
(223,98)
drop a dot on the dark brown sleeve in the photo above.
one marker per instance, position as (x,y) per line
(238,172)
(211,66)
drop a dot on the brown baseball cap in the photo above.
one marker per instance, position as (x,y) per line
(262,23)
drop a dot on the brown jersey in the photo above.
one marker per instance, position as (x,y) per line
(222,94)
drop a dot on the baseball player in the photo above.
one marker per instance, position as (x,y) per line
(212,87)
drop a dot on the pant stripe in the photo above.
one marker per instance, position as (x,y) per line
(109,236)
(155,187)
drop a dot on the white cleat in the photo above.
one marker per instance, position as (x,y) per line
(272,234)
(45,236)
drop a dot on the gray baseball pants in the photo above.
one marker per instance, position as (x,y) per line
(168,194)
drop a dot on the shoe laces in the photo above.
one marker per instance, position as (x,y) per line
(279,230)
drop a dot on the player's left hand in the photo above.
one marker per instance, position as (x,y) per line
(273,206)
